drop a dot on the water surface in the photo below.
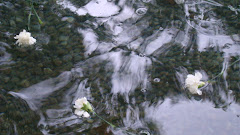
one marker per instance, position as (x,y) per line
(129,58)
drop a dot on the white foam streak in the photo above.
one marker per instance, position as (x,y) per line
(126,13)
(36,93)
(206,41)
(96,8)
(90,40)
(132,118)
(101,8)
(163,37)
(129,73)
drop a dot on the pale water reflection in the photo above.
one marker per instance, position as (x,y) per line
(96,8)
(183,116)
(5,57)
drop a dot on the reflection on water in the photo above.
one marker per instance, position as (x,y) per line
(132,66)
(96,8)
(193,117)
(5,58)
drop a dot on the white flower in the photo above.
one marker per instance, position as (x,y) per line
(82,107)
(193,82)
(81,113)
(24,38)
(179,1)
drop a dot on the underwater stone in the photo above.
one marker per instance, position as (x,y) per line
(36,27)
(65,30)
(57,62)
(77,58)
(90,121)
(15,79)
(7,71)
(47,71)
(235,37)
(67,58)
(52,101)
(61,52)
(179,1)
(42,38)
(12,23)
(68,19)
(25,83)
(37,70)
(146,1)
(63,38)
(64,43)
(1,53)
(40,65)
(18,19)
(6,79)
(54,42)
(51,29)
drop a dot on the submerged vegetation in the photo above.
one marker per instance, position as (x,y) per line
(125,64)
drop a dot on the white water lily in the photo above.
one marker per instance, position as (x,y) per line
(82,107)
(24,38)
(193,83)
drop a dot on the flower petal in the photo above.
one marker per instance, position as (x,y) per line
(79,103)
(79,112)
(193,89)
(199,92)
(86,114)
(24,38)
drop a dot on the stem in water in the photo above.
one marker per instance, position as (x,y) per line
(104,120)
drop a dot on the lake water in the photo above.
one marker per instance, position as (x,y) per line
(129,58)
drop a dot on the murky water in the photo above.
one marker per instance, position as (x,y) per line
(130,58)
